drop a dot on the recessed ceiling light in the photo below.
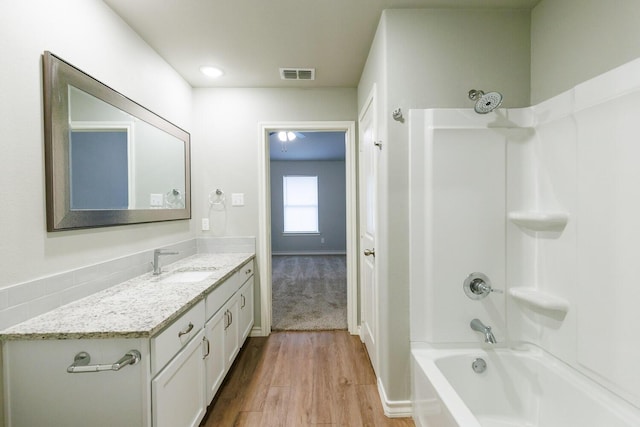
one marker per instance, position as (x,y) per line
(212,72)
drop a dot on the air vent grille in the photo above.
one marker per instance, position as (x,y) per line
(298,73)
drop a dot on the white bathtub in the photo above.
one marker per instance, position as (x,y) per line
(527,388)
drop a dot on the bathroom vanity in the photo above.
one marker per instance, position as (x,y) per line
(151,351)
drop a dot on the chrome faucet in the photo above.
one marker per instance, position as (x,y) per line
(477,325)
(157,269)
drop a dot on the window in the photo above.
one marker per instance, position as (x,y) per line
(300,201)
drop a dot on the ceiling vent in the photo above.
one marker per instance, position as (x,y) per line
(298,73)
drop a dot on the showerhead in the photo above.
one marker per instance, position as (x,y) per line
(485,102)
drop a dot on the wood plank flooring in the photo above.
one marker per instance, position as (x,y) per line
(300,379)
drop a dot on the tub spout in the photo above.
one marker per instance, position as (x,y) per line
(477,325)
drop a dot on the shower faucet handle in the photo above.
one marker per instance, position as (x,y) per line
(477,286)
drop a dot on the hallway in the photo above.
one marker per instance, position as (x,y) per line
(300,379)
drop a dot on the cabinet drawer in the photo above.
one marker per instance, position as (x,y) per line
(220,295)
(246,271)
(216,298)
(167,343)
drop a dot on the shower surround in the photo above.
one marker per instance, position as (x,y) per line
(544,201)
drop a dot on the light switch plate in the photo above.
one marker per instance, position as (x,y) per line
(156,200)
(237,199)
(205,224)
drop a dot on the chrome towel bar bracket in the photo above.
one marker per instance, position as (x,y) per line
(82,359)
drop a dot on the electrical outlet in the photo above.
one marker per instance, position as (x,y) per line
(322,240)
(205,224)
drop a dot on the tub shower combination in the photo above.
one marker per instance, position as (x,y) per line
(499,335)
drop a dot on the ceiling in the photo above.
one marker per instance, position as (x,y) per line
(251,39)
(308,146)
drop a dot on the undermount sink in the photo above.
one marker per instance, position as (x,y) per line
(185,277)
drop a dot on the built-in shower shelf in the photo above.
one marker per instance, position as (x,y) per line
(539,220)
(540,299)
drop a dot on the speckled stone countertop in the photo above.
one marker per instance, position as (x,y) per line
(137,308)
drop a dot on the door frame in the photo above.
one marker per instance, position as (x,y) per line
(264,217)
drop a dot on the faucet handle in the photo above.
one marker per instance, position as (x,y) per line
(477,286)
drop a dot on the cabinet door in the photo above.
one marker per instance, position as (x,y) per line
(246,309)
(215,361)
(232,331)
(177,392)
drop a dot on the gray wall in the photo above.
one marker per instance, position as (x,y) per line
(575,40)
(426,59)
(331,208)
(105,47)
(227,144)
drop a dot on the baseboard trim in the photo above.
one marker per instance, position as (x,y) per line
(302,253)
(257,331)
(394,409)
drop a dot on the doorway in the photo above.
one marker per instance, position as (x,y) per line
(265,239)
(308,230)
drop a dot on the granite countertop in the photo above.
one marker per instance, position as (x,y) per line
(137,308)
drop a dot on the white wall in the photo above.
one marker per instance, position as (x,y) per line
(457,221)
(226,156)
(423,59)
(89,35)
(583,157)
(575,40)
(580,163)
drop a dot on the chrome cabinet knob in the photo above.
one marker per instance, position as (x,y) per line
(370,252)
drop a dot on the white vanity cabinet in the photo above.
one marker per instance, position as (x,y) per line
(232,342)
(179,370)
(177,391)
(245,308)
(215,361)
(177,397)
(231,317)
(40,392)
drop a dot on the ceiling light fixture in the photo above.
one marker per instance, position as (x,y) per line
(286,136)
(210,71)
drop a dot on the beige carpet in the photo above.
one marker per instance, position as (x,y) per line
(309,293)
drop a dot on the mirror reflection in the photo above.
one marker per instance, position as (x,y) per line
(119,161)
(109,161)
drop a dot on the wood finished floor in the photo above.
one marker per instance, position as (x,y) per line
(298,379)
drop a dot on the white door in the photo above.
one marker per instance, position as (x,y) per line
(246,310)
(232,330)
(215,361)
(368,188)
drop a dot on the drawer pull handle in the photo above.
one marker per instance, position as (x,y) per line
(82,359)
(186,331)
(244,301)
